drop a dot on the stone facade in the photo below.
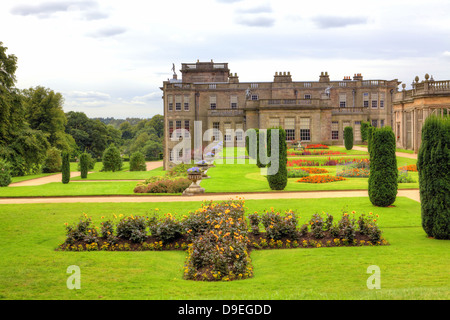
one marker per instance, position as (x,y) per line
(310,111)
(411,107)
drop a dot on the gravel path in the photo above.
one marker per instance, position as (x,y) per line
(412,194)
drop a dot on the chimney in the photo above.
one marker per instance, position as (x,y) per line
(324,77)
(357,76)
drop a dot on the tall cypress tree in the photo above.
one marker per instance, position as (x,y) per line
(65,167)
(277,180)
(84,165)
(383,167)
(348,138)
(433,164)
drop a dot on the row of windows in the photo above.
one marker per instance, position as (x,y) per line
(179,125)
(368,99)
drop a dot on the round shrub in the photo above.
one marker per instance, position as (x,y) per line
(132,228)
(348,138)
(65,167)
(433,164)
(137,162)
(383,178)
(167,229)
(53,161)
(5,175)
(112,161)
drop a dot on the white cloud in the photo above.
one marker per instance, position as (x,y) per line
(110,57)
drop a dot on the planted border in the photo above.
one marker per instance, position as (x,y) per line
(219,238)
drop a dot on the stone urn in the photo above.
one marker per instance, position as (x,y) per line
(194,174)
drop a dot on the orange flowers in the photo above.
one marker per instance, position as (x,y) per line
(320,179)
(314,170)
(411,167)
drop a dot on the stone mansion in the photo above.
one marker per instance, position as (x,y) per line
(309,111)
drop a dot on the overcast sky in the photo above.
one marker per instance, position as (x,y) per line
(109,57)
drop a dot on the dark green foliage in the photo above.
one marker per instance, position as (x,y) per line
(5,175)
(348,138)
(84,165)
(65,167)
(276,169)
(370,131)
(53,161)
(132,228)
(364,131)
(112,161)
(383,168)
(433,164)
(137,162)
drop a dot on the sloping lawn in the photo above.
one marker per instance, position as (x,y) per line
(412,266)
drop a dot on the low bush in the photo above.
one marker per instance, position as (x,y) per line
(137,162)
(82,231)
(5,174)
(254,219)
(167,229)
(53,161)
(112,161)
(164,186)
(296,173)
(404,177)
(279,226)
(132,228)
(219,248)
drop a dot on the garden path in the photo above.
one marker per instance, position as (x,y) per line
(412,194)
(43,180)
(399,154)
(58,176)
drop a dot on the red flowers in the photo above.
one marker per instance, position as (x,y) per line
(320,179)
(316,146)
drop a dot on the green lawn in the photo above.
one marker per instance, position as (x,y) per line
(405,151)
(70,189)
(123,175)
(412,266)
(249,178)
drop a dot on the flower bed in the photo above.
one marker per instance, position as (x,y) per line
(314,153)
(163,186)
(316,146)
(314,170)
(320,179)
(302,163)
(346,161)
(411,167)
(354,173)
(217,238)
